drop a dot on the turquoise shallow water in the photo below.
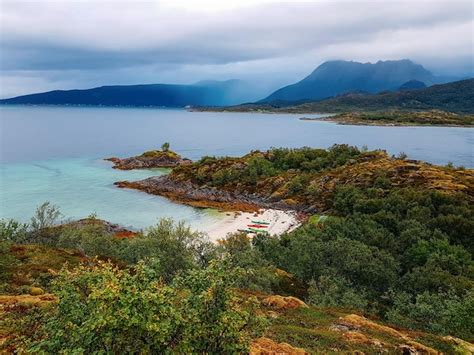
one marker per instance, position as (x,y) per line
(82,186)
(55,154)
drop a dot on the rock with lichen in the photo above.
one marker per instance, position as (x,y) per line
(150,159)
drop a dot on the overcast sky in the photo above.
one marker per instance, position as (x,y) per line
(67,44)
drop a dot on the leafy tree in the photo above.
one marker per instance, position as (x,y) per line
(442,312)
(407,241)
(165,147)
(46,216)
(330,291)
(216,320)
(174,245)
(258,274)
(92,240)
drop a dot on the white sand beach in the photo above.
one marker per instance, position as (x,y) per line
(278,221)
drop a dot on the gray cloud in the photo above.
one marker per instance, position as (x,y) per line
(88,43)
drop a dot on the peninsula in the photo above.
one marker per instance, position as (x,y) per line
(303,180)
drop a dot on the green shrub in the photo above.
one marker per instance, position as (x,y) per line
(175,245)
(7,262)
(330,291)
(13,231)
(257,273)
(415,243)
(444,312)
(104,309)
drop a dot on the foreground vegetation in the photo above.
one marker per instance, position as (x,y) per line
(395,246)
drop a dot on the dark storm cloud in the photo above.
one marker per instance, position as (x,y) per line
(179,41)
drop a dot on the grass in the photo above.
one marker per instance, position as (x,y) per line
(316,331)
(35,265)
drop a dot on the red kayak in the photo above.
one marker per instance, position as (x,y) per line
(257,226)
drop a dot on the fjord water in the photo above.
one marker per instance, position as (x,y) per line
(55,153)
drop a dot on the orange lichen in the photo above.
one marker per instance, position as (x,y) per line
(27,300)
(125,235)
(266,346)
(281,302)
(354,320)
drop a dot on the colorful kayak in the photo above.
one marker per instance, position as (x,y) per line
(260,222)
(257,226)
(253,230)
(245,231)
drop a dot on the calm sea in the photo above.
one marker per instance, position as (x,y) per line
(55,153)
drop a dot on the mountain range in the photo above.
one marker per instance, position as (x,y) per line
(330,79)
(337,77)
(457,96)
(215,93)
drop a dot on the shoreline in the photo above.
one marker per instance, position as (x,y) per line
(187,193)
(279,222)
(380,124)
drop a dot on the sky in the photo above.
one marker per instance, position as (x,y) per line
(46,45)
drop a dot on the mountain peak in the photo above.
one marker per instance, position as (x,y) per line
(335,77)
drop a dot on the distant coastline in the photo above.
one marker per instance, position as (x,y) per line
(7,104)
(432,118)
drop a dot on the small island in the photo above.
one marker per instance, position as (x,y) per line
(163,158)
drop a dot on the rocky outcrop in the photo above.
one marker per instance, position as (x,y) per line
(106,226)
(202,196)
(353,324)
(149,160)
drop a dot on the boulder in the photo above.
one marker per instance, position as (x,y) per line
(36,291)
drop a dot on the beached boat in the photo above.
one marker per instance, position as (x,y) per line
(245,231)
(260,222)
(257,226)
(259,231)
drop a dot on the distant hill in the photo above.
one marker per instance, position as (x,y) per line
(216,93)
(337,77)
(411,85)
(456,97)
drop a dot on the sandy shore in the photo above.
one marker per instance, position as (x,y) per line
(279,223)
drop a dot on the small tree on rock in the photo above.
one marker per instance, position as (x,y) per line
(165,146)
